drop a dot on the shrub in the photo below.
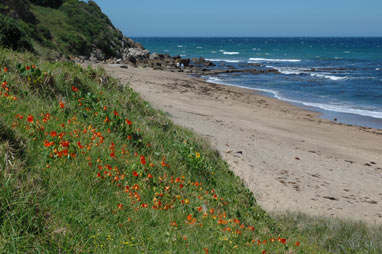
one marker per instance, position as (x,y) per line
(12,35)
(48,3)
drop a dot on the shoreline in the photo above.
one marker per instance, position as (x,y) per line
(340,117)
(288,157)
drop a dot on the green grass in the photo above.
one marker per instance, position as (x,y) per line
(70,29)
(78,178)
(182,198)
(335,235)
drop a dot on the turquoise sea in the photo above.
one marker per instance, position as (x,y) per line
(339,77)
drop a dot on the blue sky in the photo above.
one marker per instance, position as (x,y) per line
(245,17)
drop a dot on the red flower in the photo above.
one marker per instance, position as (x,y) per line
(264,251)
(297,243)
(120,206)
(5,69)
(150,175)
(143,160)
(112,155)
(33,66)
(48,144)
(79,145)
(53,133)
(65,143)
(115,113)
(30,119)
(74,89)
(61,104)
(135,173)
(180,186)
(129,122)
(28,68)
(283,240)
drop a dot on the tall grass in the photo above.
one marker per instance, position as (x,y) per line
(333,234)
(101,171)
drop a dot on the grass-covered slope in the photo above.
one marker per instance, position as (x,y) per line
(69,27)
(89,167)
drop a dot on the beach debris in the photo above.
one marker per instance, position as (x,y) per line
(297,158)
(330,198)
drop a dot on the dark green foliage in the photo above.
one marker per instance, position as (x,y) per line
(12,35)
(48,3)
(94,29)
(69,27)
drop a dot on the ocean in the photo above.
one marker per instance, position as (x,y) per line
(339,77)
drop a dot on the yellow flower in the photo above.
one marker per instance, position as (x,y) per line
(197,155)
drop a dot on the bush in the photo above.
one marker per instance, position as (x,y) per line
(12,35)
(48,3)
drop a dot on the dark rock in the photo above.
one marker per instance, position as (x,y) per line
(132,59)
(185,61)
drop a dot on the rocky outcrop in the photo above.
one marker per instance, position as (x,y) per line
(202,62)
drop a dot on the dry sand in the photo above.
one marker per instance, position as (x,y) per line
(289,158)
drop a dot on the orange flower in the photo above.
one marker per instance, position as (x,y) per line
(5,69)
(189,217)
(120,206)
(61,104)
(150,175)
(30,119)
(205,251)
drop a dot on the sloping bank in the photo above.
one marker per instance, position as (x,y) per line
(92,168)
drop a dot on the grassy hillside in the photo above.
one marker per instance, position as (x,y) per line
(70,27)
(91,168)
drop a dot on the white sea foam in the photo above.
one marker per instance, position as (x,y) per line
(183,55)
(331,77)
(253,59)
(377,69)
(214,80)
(289,70)
(223,60)
(299,71)
(166,50)
(198,47)
(231,53)
(222,50)
(180,46)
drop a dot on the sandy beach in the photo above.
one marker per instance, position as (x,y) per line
(288,157)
